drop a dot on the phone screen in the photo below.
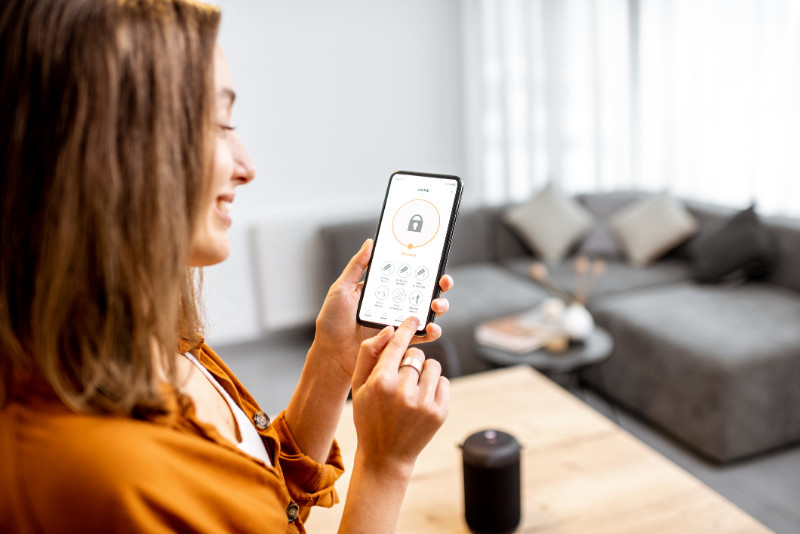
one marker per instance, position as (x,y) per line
(411,247)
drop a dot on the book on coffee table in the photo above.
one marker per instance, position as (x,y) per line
(517,333)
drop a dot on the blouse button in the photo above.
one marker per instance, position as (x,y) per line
(292,511)
(261,420)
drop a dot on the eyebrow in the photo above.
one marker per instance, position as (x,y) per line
(227,93)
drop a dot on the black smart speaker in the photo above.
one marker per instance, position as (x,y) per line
(492,482)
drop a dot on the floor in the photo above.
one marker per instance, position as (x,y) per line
(768,488)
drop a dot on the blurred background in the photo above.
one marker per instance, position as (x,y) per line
(695,97)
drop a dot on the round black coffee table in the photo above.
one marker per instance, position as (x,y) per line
(578,356)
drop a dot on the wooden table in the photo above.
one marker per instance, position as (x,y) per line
(581,473)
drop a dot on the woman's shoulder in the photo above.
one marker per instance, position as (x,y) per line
(52,443)
(83,471)
(69,469)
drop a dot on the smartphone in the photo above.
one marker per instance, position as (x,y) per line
(411,247)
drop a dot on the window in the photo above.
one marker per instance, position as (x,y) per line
(698,97)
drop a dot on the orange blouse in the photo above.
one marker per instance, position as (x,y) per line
(67,472)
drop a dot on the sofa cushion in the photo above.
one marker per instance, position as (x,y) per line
(470,238)
(504,241)
(740,246)
(721,320)
(707,215)
(619,276)
(550,223)
(651,227)
(715,366)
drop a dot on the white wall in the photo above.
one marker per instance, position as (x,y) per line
(332,98)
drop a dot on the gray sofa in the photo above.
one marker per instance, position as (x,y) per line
(716,366)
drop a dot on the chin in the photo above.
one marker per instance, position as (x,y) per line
(209,255)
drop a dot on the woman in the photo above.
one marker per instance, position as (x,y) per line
(120,163)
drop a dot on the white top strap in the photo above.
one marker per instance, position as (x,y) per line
(251,440)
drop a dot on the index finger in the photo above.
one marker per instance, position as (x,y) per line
(393,352)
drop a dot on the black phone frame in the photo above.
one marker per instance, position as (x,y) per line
(445,250)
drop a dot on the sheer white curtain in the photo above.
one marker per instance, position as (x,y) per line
(720,100)
(698,97)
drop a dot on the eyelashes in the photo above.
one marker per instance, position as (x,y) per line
(225,128)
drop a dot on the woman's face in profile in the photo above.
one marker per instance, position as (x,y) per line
(232,167)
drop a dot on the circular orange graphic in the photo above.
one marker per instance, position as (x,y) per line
(416,223)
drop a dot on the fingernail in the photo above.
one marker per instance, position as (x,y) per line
(414,322)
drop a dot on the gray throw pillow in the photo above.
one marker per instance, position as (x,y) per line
(651,227)
(550,223)
(740,247)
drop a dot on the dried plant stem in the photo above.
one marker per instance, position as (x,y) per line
(598,268)
(582,269)
(538,272)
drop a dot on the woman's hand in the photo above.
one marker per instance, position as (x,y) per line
(396,408)
(338,335)
(317,403)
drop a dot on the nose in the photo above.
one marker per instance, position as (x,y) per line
(243,168)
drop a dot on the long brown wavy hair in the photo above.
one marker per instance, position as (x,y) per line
(104,130)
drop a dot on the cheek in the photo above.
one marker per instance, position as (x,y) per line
(223,166)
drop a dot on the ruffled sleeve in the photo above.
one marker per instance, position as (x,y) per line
(310,483)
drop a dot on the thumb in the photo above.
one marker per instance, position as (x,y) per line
(368,356)
(357,265)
